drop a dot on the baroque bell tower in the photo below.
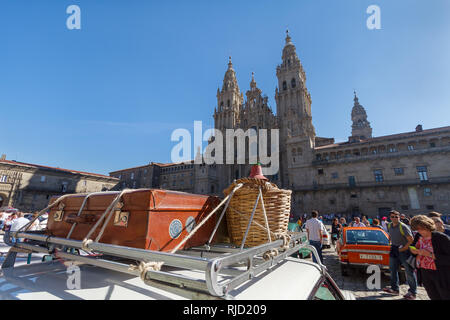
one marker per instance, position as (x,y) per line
(229,101)
(361,129)
(293,109)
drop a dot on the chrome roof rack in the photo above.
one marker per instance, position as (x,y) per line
(223,268)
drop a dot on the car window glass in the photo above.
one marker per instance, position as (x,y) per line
(375,237)
(325,292)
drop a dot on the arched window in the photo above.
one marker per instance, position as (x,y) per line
(293,84)
(221,106)
(284,85)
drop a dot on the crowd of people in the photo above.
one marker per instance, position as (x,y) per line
(420,244)
(13,222)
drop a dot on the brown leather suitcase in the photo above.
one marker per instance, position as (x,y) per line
(151,219)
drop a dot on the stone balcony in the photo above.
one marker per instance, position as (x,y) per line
(384,155)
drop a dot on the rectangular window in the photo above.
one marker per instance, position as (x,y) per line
(64,187)
(42,178)
(405,207)
(422,172)
(3,178)
(398,171)
(320,171)
(351,181)
(132,175)
(378,175)
(430,207)
(410,147)
(432,144)
(334,175)
(427,192)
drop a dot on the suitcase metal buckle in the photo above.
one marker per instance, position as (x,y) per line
(59,214)
(121,217)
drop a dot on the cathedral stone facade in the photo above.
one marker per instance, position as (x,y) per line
(409,172)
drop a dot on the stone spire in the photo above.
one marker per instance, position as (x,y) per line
(253,82)
(288,37)
(229,81)
(361,128)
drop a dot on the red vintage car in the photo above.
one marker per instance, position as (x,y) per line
(359,247)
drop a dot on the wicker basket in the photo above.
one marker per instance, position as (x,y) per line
(277,203)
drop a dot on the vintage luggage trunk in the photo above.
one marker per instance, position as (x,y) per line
(151,219)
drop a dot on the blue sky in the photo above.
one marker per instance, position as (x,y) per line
(108,96)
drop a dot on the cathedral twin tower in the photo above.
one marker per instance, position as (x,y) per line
(293,117)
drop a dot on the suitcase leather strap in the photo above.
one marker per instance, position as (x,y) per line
(84,219)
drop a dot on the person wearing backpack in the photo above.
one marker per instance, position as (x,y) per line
(401,238)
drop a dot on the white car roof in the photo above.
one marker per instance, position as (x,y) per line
(291,279)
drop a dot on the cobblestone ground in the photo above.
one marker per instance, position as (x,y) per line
(356,281)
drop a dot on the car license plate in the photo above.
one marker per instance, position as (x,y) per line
(370,256)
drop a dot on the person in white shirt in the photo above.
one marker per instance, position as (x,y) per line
(384,224)
(358,223)
(18,223)
(315,230)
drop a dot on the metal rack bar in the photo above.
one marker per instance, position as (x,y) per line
(215,268)
(125,252)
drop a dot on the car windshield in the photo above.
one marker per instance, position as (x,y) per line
(375,237)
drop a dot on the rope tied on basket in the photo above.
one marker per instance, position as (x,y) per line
(286,239)
(270,254)
(274,252)
(144,267)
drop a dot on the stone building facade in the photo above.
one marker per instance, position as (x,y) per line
(368,175)
(29,187)
(185,177)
